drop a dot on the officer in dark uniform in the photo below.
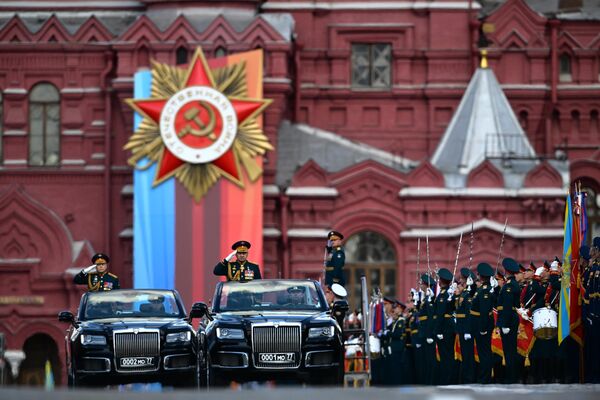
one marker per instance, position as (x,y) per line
(464,331)
(425,357)
(96,276)
(335,259)
(509,300)
(444,328)
(586,317)
(482,321)
(398,351)
(240,270)
(595,308)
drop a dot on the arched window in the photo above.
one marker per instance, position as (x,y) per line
(594,126)
(372,255)
(220,52)
(523,119)
(592,206)
(575,122)
(565,74)
(44,125)
(181,55)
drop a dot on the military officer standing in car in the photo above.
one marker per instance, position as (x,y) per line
(482,321)
(335,258)
(96,276)
(240,270)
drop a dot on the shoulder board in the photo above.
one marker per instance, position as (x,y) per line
(113,275)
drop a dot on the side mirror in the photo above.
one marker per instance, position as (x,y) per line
(67,316)
(200,310)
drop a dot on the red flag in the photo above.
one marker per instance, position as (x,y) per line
(576,330)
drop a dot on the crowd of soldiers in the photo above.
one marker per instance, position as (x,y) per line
(468,331)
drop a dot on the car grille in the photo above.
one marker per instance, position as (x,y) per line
(144,343)
(276,338)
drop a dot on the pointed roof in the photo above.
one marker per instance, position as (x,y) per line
(484,124)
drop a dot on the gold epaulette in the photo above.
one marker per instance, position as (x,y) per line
(113,275)
(476,313)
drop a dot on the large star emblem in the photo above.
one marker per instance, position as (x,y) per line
(198,128)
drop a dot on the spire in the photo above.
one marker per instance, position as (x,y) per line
(483,126)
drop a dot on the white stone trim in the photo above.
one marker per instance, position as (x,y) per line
(71,4)
(367,5)
(76,161)
(311,191)
(81,90)
(127,190)
(481,192)
(271,190)
(72,132)
(123,79)
(277,80)
(593,86)
(513,86)
(271,232)
(126,233)
(16,161)
(98,156)
(14,132)
(308,233)
(98,122)
(517,233)
(94,167)
(15,90)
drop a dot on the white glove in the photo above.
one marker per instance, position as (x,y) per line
(440,336)
(418,346)
(493,282)
(230,256)
(483,333)
(453,288)
(89,269)
(505,330)
(469,281)
(467,336)
(429,340)
(329,243)
(523,313)
(429,293)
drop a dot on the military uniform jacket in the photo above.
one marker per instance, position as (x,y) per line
(398,335)
(236,271)
(463,311)
(509,300)
(538,291)
(443,318)
(482,318)
(334,273)
(553,292)
(425,318)
(97,282)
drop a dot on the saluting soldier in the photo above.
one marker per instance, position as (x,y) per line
(335,259)
(509,301)
(96,276)
(240,270)
(464,330)
(443,326)
(482,321)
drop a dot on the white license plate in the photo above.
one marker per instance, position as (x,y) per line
(276,357)
(131,362)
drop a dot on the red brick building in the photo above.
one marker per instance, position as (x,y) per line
(363,94)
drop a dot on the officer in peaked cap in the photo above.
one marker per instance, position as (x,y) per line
(96,276)
(463,325)
(509,300)
(240,270)
(587,317)
(444,327)
(335,258)
(425,357)
(594,307)
(482,321)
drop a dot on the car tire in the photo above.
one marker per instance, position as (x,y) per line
(214,377)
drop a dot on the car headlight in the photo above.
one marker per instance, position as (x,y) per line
(230,333)
(320,332)
(179,337)
(90,340)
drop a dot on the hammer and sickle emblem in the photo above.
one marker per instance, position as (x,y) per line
(192,115)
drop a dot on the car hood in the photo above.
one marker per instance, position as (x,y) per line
(116,324)
(303,317)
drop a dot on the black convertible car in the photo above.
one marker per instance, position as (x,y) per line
(126,336)
(270,330)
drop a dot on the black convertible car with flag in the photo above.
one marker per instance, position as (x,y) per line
(124,336)
(265,330)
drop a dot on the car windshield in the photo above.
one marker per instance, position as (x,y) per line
(265,295)
(131,304)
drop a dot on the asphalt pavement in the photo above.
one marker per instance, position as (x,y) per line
(471,392)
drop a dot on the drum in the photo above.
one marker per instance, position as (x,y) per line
(545,323)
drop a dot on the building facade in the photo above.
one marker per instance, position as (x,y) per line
(363,95)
